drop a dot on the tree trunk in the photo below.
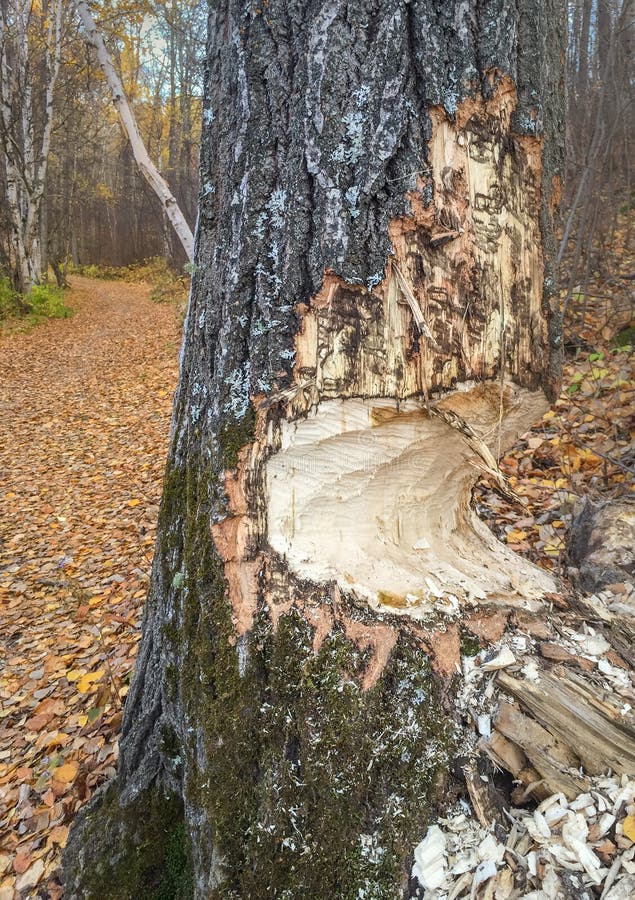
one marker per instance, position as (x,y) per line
(370,323)
(145,164)
(26,123)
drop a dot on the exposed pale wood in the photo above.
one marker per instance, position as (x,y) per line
(491,197)
(402,535)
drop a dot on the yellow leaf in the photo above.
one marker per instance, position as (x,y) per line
(81,720)
(95,601)
(628,827)
(133,502)
(516,535)
(56,739)
(554,548)
(74,674)
(589,456)
(65,773)
(84,683)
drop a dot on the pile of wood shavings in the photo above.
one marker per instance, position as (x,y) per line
(582,849)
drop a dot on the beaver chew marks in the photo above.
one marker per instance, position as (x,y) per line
(375,496)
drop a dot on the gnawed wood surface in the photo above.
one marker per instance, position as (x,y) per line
(393,481)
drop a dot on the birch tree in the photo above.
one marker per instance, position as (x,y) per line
(145,164)
(30,53)
(370,323)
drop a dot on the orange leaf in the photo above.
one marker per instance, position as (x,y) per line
(59,835)
(21,863)
(65,773)
(628,827)
(37,723)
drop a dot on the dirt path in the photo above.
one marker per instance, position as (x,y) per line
(84,420)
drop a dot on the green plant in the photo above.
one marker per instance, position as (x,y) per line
(624,341)
(47,302)
(107,273)
(168,285)
(44,301)
(9,299)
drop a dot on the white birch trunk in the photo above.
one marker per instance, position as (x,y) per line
(26,151)
(146,166)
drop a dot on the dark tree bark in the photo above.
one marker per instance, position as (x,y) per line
(370,321)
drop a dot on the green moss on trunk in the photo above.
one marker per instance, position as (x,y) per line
(140,851)
(310,786)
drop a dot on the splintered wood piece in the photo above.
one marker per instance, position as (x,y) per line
(553,759)
(480,792)
(414,306)
(508,755)
(578,714)
(622,638)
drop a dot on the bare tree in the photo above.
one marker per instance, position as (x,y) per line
(599,175)
(146,166)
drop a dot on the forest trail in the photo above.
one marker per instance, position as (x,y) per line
(85,410)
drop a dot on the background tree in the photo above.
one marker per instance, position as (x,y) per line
(170,208)
(30,52)
(599,170)
(370,320)
(98,210)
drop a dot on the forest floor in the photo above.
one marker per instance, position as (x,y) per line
(85,410)
(84,420)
